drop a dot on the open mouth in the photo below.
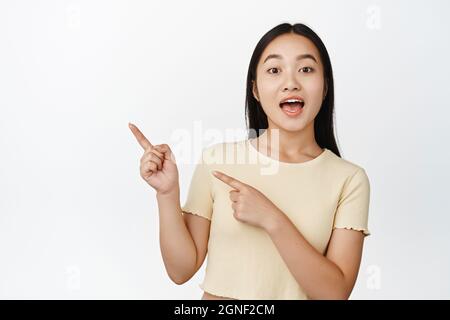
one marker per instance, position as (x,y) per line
(292,105)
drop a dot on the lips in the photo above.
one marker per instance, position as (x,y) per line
(292,112)
(292,102)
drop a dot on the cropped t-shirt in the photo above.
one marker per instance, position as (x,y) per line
(318,195)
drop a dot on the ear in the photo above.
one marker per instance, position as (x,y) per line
(255,90)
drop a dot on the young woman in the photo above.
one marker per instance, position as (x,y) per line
(295,231)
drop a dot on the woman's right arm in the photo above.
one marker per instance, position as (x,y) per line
(183,237)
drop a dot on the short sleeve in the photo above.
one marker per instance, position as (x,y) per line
(199,199)
(352,211)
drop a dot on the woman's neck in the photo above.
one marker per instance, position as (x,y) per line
(290,145)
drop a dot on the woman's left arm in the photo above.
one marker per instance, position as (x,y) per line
(321,277)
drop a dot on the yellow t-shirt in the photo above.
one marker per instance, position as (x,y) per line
(319,195)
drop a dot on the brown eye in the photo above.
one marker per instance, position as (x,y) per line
(307,68)
(271,69)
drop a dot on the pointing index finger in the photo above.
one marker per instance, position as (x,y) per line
(143,141)
(232,182)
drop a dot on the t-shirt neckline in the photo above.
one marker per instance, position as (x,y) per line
(297,164)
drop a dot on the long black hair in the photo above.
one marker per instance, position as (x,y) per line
(256,118)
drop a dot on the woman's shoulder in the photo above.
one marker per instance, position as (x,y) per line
(344,166)
(221,152)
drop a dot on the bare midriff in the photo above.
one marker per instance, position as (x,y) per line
(209,296)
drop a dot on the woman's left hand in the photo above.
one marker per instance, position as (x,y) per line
(250,205)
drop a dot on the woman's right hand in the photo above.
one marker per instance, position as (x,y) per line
(158,167)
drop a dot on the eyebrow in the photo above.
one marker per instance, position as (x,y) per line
(299,57)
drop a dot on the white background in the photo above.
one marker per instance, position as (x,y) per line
(77,220)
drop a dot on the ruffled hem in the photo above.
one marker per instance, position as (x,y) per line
(195,213)
(227,294)
(219,294)
(364,230)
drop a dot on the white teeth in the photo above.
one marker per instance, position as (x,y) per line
(293,100)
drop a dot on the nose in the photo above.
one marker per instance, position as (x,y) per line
(287,88)
(291,84)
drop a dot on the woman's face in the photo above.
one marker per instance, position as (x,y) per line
(284,76)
